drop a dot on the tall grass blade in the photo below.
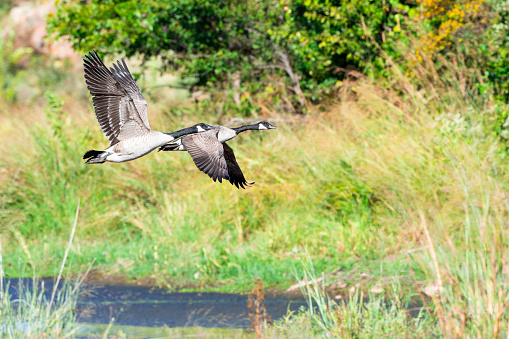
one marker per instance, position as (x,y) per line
(65,258)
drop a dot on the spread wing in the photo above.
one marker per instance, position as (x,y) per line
(122,74)
(234,171)
(207,153)
(116,110)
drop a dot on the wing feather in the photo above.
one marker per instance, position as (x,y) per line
(122,74)
(214,158)
(207,154)
(236,176)
(115,109)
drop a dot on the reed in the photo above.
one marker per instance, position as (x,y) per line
(27,311)
(399,179)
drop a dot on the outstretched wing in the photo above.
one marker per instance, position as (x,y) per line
(122,74)
(115,108)
(234,171)
(207,153)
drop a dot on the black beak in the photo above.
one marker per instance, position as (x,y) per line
(271,126)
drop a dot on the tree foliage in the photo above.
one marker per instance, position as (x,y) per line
(304,42)
(496,51)
(297,49)
(332,35)
(206,38)
(446,18)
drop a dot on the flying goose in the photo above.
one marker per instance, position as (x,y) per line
(211,153)
(121,111)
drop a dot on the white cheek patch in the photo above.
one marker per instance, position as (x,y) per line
(200,129)
(260,126)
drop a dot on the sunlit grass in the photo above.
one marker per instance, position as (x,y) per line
(361,315)
(469,262)
(438,169)
(31,310)
(26,316)
(465,266)
(163,202)
(404,181)
(345,185)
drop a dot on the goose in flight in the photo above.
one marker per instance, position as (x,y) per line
(211,153)
(121,111)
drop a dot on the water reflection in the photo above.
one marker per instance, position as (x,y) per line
(155,307)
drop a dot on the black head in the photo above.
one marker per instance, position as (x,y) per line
(201,127)
(265,125)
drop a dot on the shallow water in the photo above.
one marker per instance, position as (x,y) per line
(123,331)
(158,311)
(154,307)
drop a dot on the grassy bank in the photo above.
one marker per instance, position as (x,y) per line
(347,185)
(401,187)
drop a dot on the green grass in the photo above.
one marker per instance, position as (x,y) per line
(390,183)
(370,315)
(34,312)
(161,217)
(470,277)
(28,315)
(345,185)
(123,331)
(174,228)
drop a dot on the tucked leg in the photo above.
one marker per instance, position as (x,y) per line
(174,146)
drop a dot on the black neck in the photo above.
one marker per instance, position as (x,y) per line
(182,132)
(245,128)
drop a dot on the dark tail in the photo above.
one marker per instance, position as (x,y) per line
(96,157)
(169,147)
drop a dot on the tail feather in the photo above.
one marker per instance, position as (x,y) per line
(96,157)
(92,153)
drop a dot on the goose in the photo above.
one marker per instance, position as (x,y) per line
(121,111)
(212,155)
